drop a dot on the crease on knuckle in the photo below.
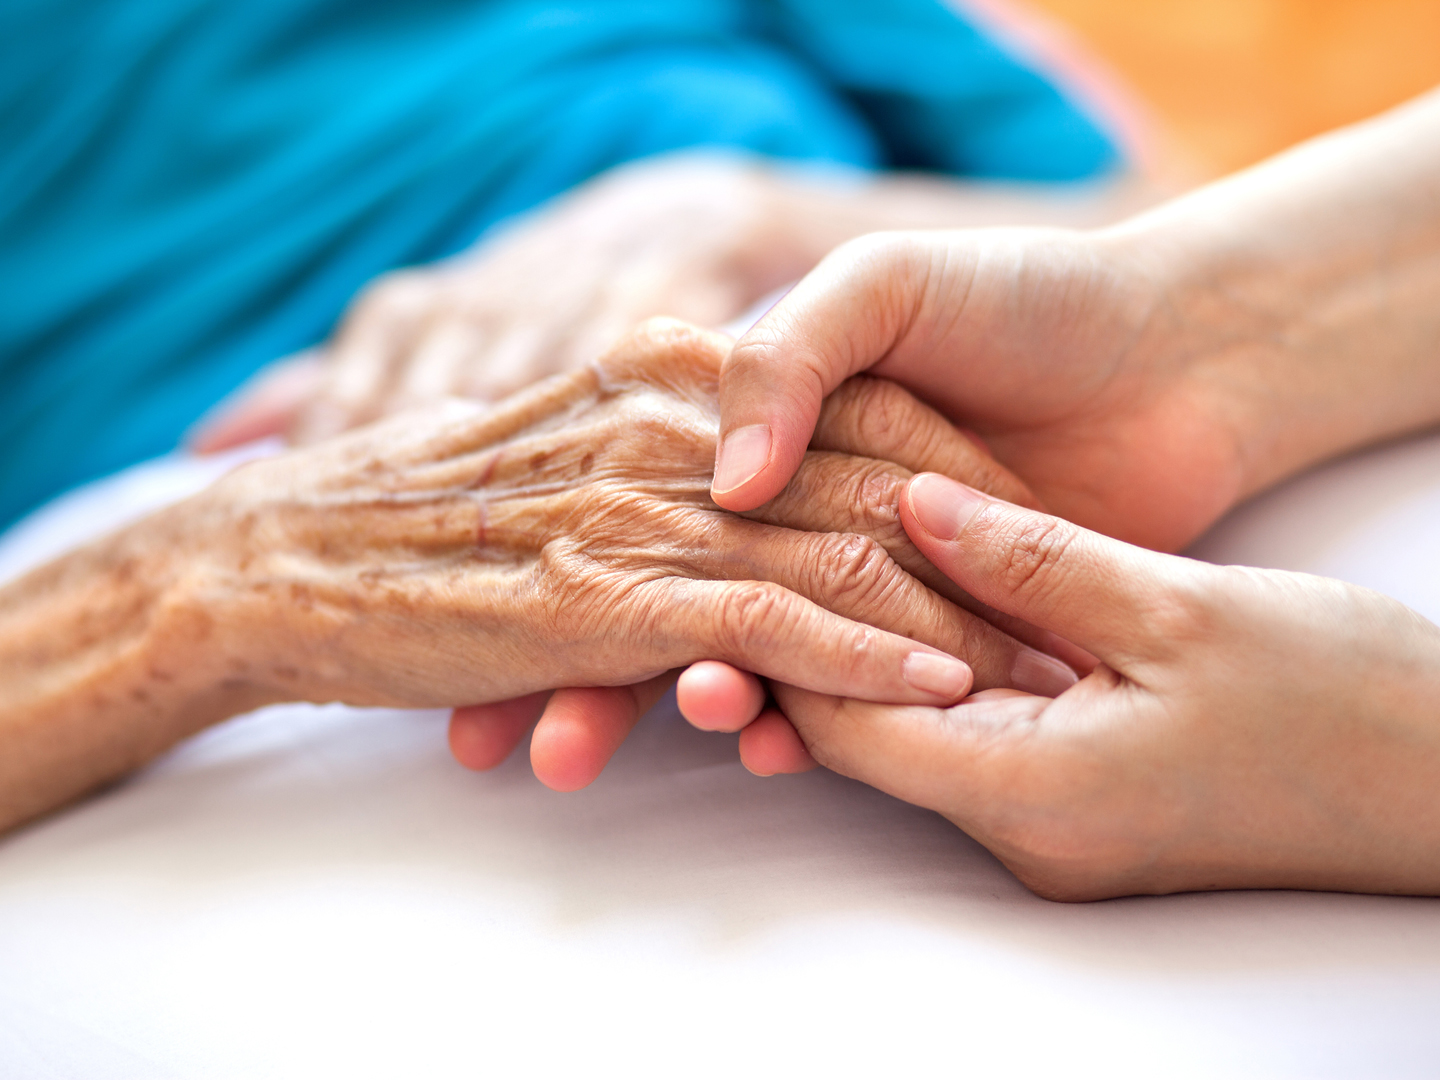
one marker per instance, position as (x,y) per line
(854,573)
(751,618)
(1034,552)
(884,414)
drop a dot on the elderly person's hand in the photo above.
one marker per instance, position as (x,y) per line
(1244,728)
(871,437)
(469,555)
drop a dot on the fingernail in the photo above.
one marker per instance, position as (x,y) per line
(943,676)
(1036,673)
(744,453)
(941,506)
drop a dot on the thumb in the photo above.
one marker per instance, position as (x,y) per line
(1094,591)
(842,318)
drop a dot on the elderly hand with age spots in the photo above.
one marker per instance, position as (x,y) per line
(470,554)
(870,438)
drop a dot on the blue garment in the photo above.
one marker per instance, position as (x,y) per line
(192,188)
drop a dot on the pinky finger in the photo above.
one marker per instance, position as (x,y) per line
(770,746)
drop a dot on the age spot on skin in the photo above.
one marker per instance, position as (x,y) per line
(587,463)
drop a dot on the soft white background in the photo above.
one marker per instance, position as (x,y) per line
(313,892)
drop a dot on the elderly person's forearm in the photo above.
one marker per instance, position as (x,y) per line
(106,660)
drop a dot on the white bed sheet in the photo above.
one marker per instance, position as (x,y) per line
(311,892)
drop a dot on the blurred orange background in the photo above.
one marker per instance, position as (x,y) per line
(1233,81)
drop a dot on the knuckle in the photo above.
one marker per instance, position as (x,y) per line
(751,617)
(885,414)
(854,571)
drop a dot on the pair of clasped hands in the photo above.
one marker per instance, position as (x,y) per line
(1106,718)
(1173,725)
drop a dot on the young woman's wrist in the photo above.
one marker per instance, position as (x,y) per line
(1222,326)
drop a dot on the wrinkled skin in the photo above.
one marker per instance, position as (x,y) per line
(470,555)
(568,538)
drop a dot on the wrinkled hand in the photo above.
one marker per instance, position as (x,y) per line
(566,537)
(1085,373)
(871,437)
(697,237)
(1245,729)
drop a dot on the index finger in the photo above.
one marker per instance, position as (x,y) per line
(841,319)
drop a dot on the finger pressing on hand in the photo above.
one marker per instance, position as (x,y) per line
(581,728)
(482,736)
(842,318)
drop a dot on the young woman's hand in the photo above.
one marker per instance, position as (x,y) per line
(1061,350)
(1243,728)
(1144,377)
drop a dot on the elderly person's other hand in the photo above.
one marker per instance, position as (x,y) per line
(565,537)
(699,237)
(1244,729)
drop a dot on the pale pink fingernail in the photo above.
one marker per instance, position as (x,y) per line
(941,506)
(743,454)
(943,676)
(1036,673)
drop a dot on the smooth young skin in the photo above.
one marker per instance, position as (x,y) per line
(478,555)
(1244,729)
(1143,378)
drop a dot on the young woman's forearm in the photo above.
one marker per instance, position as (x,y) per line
(818,212)
(101,668)
(1312,285)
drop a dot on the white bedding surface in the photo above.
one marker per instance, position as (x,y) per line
(310,892)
